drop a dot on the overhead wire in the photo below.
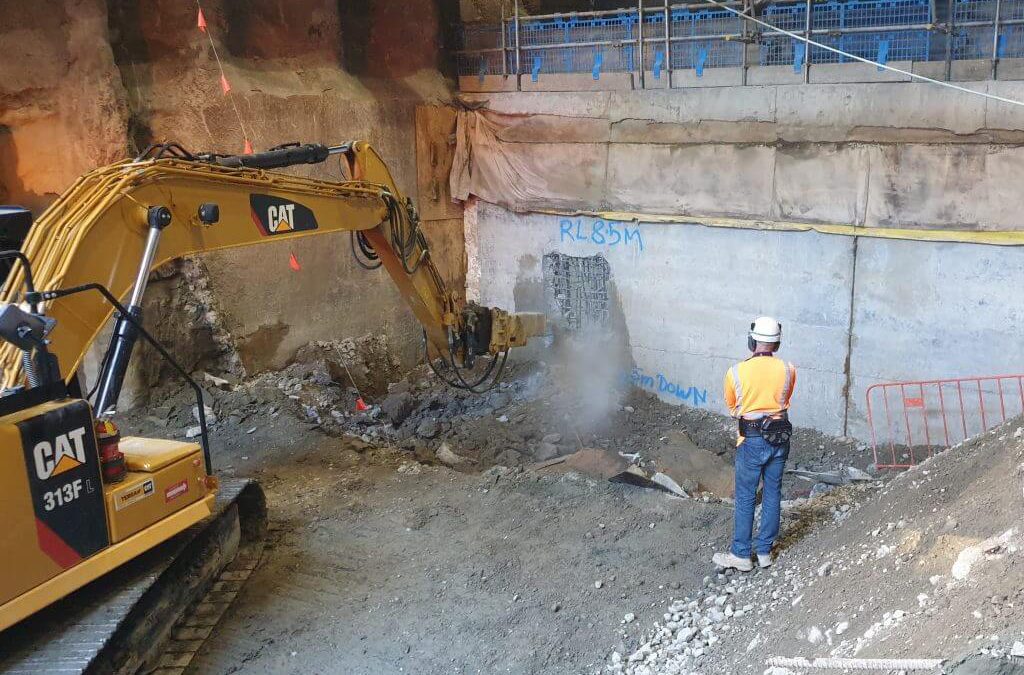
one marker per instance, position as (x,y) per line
(916,76)
(220,66)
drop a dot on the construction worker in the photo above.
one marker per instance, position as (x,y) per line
(757,392)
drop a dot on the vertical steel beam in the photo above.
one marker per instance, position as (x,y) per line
(504,44)
(519,70)
(950,30)
(748,6)
(807,45)
(995,39)
(640,42)
(668,44)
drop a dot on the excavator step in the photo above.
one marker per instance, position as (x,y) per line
(120,622)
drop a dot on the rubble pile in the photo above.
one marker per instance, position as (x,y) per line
(926,565)
(531,417)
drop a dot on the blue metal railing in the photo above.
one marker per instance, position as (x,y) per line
(695,37)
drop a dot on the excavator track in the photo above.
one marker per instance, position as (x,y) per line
(121,622)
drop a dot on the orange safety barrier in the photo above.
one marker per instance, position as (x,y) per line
(927,415)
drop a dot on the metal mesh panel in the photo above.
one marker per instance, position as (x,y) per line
(973,43)
(602,59)
(655,51)
(886,13)
(1011,42)
(704,22)
(834,17)
(837,16)
(903,45)
(1011,9)
(582,59)
(716,54)
(551,32)
(974,10)
(819,55)
(485,63)
(576,290)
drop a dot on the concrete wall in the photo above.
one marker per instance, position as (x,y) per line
(857,311)
(688,292)
(882,154)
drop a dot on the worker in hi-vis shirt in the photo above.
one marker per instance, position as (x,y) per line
(757,393)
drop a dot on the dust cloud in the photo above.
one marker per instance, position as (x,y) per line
(591,369)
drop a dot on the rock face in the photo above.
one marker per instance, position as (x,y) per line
(63,109)
(84,83)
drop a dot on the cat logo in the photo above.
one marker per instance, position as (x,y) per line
(65,453)
(280,218)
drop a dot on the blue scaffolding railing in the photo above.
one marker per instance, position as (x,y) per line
(696,37)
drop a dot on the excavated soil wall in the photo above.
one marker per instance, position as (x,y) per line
(84,83)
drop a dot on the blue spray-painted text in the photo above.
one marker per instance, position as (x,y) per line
(662,385)
(601,232)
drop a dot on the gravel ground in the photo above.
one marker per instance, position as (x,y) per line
(928,565)
(383,559)
(379,564)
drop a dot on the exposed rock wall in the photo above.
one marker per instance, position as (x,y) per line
(62,105)
(86,82)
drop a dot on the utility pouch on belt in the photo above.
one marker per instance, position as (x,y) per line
(776,429)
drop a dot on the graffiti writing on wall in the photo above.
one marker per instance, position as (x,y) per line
(662,385)
(600,232)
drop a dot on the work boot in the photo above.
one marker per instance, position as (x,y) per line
(764,560)
(728,560)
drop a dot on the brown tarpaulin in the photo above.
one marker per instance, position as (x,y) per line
(522,175)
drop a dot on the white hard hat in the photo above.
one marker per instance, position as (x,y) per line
(766,329)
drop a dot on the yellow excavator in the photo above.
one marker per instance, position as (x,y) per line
(78,500)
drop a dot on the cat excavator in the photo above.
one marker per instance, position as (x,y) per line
(79,501)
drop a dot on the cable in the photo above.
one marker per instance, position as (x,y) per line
(220,67)
(807,40)
(462,383)
(367,251)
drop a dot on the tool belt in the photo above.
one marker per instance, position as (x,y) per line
(774,429)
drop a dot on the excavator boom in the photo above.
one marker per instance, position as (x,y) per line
(118,223)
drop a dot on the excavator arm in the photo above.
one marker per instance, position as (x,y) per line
(118,223)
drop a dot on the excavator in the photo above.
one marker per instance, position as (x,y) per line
(80,501)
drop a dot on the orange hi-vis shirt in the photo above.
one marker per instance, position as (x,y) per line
(759,386)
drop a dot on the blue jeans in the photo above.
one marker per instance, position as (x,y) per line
(757,460)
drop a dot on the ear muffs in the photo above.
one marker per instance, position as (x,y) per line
(751,342)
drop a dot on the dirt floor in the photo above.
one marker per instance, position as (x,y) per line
(439,532)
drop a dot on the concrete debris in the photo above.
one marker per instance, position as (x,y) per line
(844,476)
(428,428)
(194,432)
(410,468)
(446,456)
(669,484)
(218,382)
(397,407)
(211,417)
(969,556)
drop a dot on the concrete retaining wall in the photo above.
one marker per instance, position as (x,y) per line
(884,154)
(686,294)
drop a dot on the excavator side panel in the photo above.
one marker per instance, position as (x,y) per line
(51,495)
